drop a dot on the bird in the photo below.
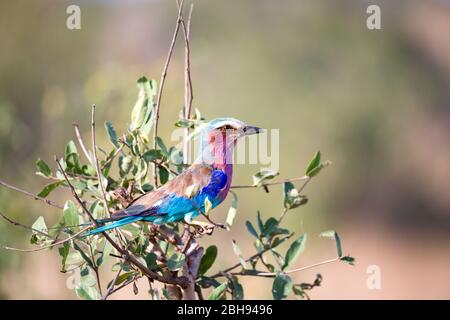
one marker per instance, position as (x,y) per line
(205,183)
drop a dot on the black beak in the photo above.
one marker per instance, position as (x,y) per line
(249,130)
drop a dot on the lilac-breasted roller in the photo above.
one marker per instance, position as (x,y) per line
(183,198)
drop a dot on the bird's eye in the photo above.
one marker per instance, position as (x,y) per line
(227,127)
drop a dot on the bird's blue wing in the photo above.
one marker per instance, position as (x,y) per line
(174,200)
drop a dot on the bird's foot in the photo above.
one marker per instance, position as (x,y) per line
(202,228)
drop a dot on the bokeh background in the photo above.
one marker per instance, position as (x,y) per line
(376,103)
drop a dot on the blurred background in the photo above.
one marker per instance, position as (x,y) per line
(375,102)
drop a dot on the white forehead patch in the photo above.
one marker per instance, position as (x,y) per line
(234,123)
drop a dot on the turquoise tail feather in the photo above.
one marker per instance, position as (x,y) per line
(113,225)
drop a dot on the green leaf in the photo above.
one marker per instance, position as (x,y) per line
(150,260)
(238,253)
(163,175)
(74,258)
(208,205)
(43,168)
(333,235)
(208,259)
(71,148)
(167,294)
(153,155)
(251,229)
(260,222)
(139,112)
(87,287)
(282,286)
(218,293)
(348,259)
(296,248)
(112,134)
(72,158)
(36,237)
(313,165)
(125,164)
(64,252)
(70,214)
(176,261)
(87,293)
(262,176)
(270,226)
(292,198)
(123,277)
(232,211)
(107,249)
(162,147)
(236,289)
(49,188)
(316,165)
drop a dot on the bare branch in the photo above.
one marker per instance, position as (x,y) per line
(97,166)
(23,226)
(188,92)
(255,256)
(31,195)
(161,86)
(81,142)
(272,183)
(48,246)
(274,274)
(190,270)
(111,287)
(126,283)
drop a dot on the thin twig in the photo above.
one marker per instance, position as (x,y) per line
(161,86)
(256,255)
(125,284)
(95,268)
(282,215)
(97,166)
(81,142)
(23,226)
(274,274)
(111,287)
(271,183)
(118,150)
(31,195)
(188,92)
(48,246)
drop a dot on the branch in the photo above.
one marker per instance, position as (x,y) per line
(125,284)
(161,86)
(188,92)
(111,287)
(256,255)
(81,142)
(31,195)
(273,183)
(113,156)
(190,270)
(95,160)
(48,246)
(24,226)
(257,273)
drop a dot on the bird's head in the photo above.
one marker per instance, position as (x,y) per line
(219,136)
(230,128)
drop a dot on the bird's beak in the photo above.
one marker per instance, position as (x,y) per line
(249,130)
